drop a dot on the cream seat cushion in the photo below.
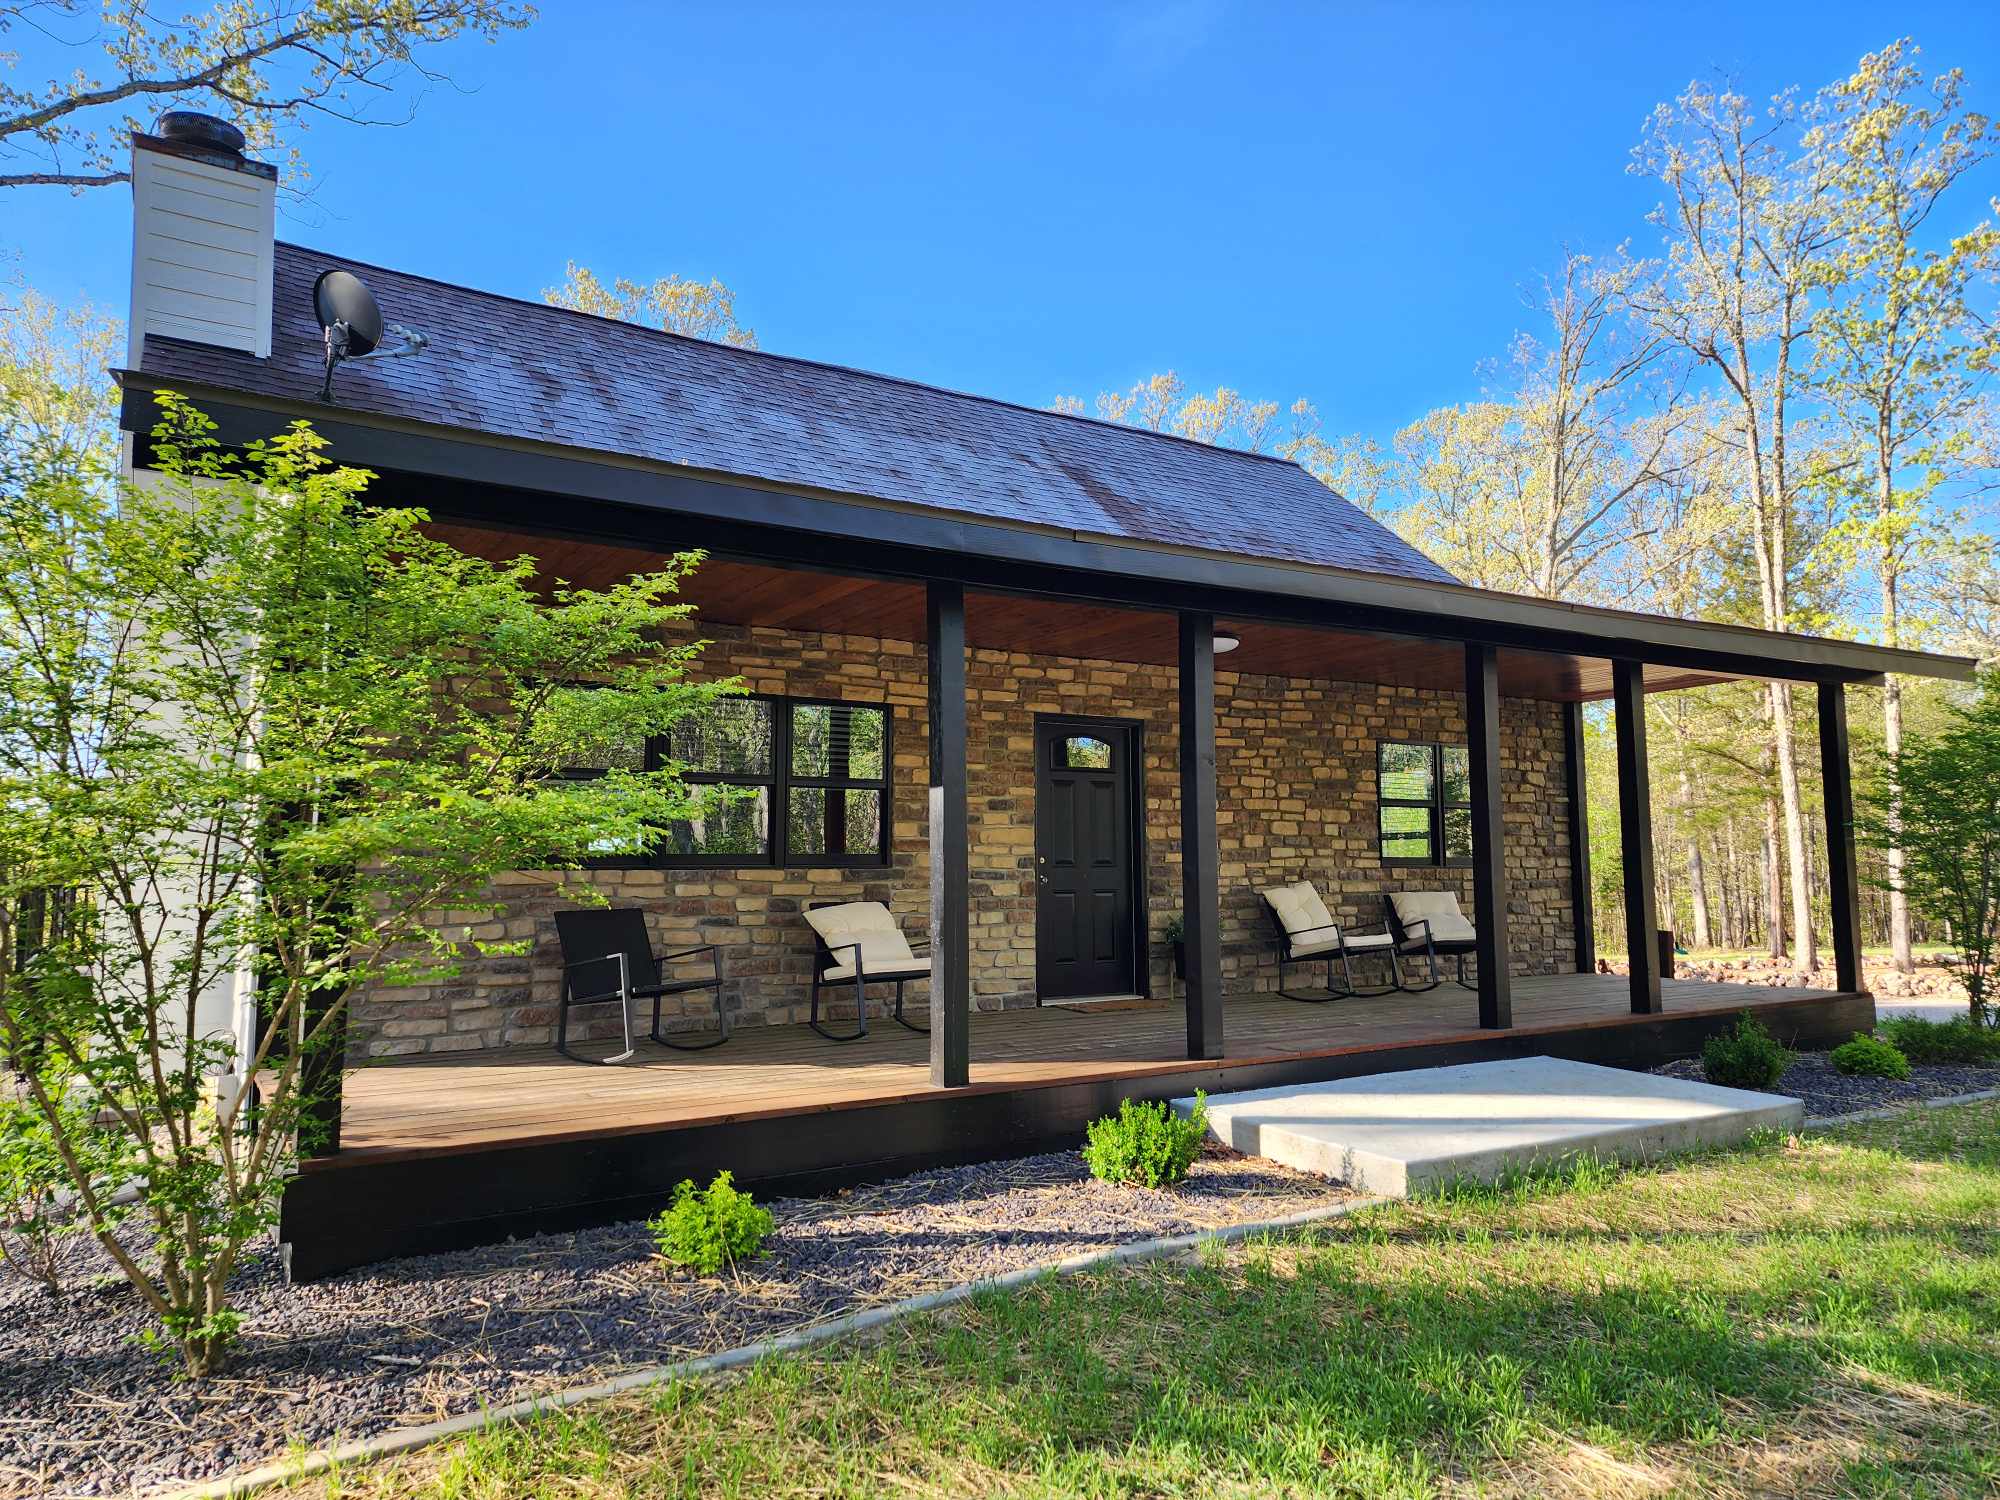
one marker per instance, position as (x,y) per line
(1440,909)
(1299,907)
(885,952)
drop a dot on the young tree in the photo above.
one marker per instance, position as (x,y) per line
(263,64)
(698,309)
(1536,488)
(1746,232)
(259,730)
(1898,347)
(1940,805)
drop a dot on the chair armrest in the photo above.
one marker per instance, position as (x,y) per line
(688,952)
(1416,932)
(1294,936)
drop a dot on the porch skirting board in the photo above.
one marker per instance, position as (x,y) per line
(408,1439)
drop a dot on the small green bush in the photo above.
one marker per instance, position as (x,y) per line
(705,1230)
(1146,1143)
(1954,1041)
(1747,1058)
(1867,1057)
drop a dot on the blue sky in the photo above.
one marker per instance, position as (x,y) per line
(1344,202)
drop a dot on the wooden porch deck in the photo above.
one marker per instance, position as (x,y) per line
(523,1096)
(469,1150)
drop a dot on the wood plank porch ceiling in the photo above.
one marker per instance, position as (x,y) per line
(737,592)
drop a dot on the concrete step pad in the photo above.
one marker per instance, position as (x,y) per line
(1393,1133)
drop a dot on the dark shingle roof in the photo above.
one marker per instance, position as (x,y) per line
(518,369)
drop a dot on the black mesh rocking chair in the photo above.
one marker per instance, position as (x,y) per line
(607,957)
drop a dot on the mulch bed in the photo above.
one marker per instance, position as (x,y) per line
(85,1411)
(1812,1077)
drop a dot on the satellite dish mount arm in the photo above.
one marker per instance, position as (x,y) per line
(336,351)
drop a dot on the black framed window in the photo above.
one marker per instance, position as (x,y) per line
(623,755)
(789,781)
(1424,804)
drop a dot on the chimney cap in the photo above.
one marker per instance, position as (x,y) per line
(193,128)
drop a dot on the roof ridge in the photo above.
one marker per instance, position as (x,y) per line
(817,364)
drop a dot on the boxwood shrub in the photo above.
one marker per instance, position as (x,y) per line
(1146,1143)
(1748,1057)
(1869,1057)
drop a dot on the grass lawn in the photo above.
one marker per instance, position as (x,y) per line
(1812,1317)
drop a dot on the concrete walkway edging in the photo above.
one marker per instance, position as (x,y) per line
(407,1439)
(1889,1111)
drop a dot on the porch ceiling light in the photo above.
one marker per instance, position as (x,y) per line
(1225,641)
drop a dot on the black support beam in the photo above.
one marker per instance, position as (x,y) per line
(1201,905)
(951,975)
(1841,876)
(1635,836)
(1489,854)
(1577,787)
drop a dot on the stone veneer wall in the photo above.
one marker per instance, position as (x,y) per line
(1296,784)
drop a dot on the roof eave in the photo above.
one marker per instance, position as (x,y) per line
(1437,610)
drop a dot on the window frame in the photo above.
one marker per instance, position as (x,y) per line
(1436,807)
(779,782)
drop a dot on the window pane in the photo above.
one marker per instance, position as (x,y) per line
(1457,774)
(838,740)
(1084,753)
(832,821)
(1406,833)
(620,755)
(1458,833)
(731,737)
(1405,772)
(736,820)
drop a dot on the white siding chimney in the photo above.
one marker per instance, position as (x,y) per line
(203,222)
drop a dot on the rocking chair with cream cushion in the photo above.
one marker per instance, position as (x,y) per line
(1307,933)
(1431,919)
(859,942)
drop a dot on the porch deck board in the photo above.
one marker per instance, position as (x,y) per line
(522,1095)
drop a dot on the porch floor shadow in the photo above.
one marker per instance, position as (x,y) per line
(474,1100)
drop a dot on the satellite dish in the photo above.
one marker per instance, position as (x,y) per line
(351,320)
(344,303)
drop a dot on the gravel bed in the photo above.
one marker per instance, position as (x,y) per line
(85,1411)
(1812,1077)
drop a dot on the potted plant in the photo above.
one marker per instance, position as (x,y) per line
(1174,935)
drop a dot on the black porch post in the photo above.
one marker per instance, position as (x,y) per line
(1489,867)
(951,980)
(1581,920)
(1635,833)
(1841,876)
(1201,913)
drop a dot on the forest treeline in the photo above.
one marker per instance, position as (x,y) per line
(1770,406)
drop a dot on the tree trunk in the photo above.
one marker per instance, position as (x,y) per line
(1892,734)
(1774,883)
(1702,936)
(1804,951)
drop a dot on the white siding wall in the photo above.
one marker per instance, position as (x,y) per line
(201,253)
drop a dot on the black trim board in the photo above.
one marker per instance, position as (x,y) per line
(516,484)
(340,1215)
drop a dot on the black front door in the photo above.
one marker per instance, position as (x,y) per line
(1084,857)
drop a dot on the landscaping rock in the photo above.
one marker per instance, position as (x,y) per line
(1813,1078)
(88,1412)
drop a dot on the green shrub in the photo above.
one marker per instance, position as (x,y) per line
(1146,1143)
(1867,1057)
(707,1229)
(1747,1058)
(1954,1041)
